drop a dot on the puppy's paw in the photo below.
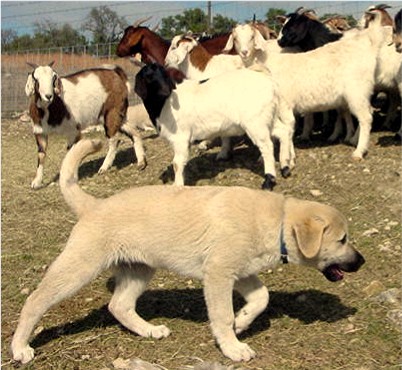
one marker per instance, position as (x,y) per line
(158,332)
(23,355)
(238,351)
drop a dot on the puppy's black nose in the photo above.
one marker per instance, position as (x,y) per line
(357,263)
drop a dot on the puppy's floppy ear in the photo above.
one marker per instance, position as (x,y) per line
(308,234)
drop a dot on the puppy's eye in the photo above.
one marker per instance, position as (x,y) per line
(344,239)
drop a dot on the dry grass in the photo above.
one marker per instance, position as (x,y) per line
(310,322)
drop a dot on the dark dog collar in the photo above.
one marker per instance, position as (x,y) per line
(284,251)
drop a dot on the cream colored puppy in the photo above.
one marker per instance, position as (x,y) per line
(221,235)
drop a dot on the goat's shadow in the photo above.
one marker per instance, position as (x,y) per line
(308,306)
(88,169)
(203,165)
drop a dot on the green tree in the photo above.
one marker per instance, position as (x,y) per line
(50,34)
(271,18)
(194,20)
(105,25)
(7,38)
(221,24)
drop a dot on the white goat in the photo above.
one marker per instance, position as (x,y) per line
(67,105)
(329,77)
(190,57)
(389,69)
(187,55)
(231,104)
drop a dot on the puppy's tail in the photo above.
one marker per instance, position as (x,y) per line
(75,197)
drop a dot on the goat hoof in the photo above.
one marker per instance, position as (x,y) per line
(269,182)
(142,165)
(285,172)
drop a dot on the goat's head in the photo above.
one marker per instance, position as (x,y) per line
(153,82)
(376,14)
(180,47)
(44,82)
(246,39)
(295,29)
(132,39)
(130,43)
(397,36)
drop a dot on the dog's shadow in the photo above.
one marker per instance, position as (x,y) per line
(307,306)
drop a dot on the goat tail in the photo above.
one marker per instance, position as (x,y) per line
(75,197)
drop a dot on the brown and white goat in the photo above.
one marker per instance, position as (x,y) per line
(67,105)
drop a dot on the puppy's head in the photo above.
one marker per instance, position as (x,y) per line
(318,237)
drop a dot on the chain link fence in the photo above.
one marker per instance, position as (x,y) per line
(14,69)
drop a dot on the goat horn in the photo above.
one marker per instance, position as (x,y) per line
(51,63)
(156,27)
(33,65)
(383,6)
(254,19)
(141,21)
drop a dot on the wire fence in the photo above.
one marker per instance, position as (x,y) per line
(14,69)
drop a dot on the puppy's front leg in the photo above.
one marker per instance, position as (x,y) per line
(218,296)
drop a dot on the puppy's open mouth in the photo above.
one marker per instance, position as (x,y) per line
(333,273)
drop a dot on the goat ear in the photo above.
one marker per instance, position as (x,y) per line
(140,87)
(229,45)
(259,40)
(308,234)
(30,86)
(58,86)
(281,19)
(33,65)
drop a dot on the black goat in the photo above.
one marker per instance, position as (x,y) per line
(308,34)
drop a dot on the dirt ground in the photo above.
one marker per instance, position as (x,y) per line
(310,323)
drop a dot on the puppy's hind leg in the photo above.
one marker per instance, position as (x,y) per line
(67,274)
(131,281)
(257,298)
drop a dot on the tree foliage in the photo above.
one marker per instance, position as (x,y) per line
(196,21)
(271,15)
(104,24)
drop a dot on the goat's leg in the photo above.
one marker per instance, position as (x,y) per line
(73,138)
(181,154)
(41,141)
(131,281)
(135,136)
(257,298)
(308,124)
(350,127)
(284,133)
(226,147)
(261,137)
(111,154)
(364,116)
(337,127)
